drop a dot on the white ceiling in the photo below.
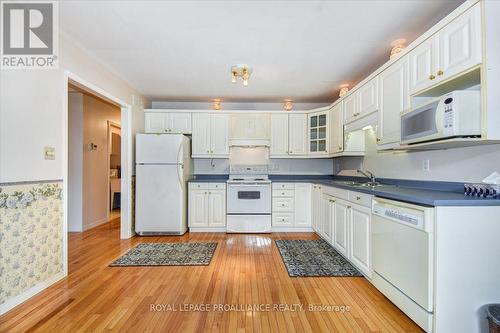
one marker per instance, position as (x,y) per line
(303,50)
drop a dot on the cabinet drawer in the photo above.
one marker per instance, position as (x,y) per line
(217,186)
(282,219)
(336,192)
(283,193)
(283,186)
(199,186)
(362,199)
(282,204)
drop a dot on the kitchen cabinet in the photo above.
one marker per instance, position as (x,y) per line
(167,122)
(291,206)
(279,135)
(316,207)
(360,237)
(336,124)
(297,134)
(302,199)
(326,217)
(423,65)
(318,133)
(210,135)
(368,98)
(351,107)
(341,226)
(394,97)
(207,205)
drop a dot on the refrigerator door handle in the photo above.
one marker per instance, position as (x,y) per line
(180,167)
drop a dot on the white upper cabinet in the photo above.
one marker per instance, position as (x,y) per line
(297,134)
(423,65)
(210,135)
(368,97)
(318,133)
(336,124)
(460,43)
(219,136)
(167,122)
(279,135)
(351,107)
(393,100)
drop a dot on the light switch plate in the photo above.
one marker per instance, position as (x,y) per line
(49,153)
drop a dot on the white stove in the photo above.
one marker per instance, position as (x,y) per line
(248,199)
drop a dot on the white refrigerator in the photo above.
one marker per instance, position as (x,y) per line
(163,166)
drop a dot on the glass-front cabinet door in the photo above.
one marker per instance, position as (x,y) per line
(318,132)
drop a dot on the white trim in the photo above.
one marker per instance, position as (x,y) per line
(292,229)
(95,224)
(207,229)
(15,301)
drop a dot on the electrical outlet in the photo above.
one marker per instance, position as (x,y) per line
(426,165)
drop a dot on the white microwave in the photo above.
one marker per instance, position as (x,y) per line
(456,114)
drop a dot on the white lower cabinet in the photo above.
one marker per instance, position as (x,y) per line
(343,218)
(291,206)
(207,205)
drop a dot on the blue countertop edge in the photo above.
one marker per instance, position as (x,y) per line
(428,193)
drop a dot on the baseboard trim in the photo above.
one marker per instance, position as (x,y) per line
(24,296)
(292,229)
(95,224)
(207,229)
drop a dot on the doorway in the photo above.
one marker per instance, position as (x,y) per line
(114,167)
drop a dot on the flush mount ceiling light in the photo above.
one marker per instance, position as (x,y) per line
(288,105)
(397,46)
(216,104)
(242,71)
(344,89)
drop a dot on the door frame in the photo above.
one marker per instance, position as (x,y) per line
(126,230)
(109,137)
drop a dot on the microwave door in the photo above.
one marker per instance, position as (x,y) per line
(420,124)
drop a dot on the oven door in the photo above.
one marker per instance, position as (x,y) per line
(248,198)
(422,123)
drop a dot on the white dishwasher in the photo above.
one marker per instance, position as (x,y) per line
(403,252)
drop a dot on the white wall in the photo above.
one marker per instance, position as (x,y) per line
(470,164)
(75,161)
(277,166)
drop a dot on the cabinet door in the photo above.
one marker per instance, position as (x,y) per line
(219,127)
(460,43)
(423,64)
(341,223)
(155,123)
(297,144)
(394,97)
(326,217)
(279,135)
(351,107)
(198,208)
(201,134)
(368,97)
(336,124)
(302,205)
(360,238)
(318,133)
(217,208)
(179,122)
(316,207)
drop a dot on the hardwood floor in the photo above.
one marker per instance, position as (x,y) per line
(245,269)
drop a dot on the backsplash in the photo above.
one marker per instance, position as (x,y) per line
(31,236)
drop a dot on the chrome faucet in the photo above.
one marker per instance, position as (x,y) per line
(368,174)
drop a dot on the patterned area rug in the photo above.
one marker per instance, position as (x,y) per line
(313,258)
(168,254)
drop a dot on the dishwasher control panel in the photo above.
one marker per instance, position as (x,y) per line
(399,215)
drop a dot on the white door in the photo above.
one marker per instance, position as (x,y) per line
(360,238)
(423,64)
(336,129)
(326,218)
(297,144)
(201,134)
(368,97)
(219,127)
(341,222)
(158,148)
(351,107)
(198,208)
(179,122)
(279,135)
(302,201)
(217,208)
(159,199)
(394,97)
(460,43)
(155,123)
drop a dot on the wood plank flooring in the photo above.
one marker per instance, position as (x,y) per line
(245,270)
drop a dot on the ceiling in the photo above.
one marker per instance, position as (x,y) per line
(299,50)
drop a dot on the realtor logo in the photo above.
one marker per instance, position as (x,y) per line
(29,36)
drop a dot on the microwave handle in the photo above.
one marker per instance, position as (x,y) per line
(438,117)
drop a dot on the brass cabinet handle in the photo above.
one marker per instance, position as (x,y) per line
(432,77)
(340,148)
(440,72)
(358,198)
(349,207)
(378,140)
(291,152)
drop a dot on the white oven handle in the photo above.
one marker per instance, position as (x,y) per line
(247,184)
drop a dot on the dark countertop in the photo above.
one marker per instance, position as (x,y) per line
(429,193)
